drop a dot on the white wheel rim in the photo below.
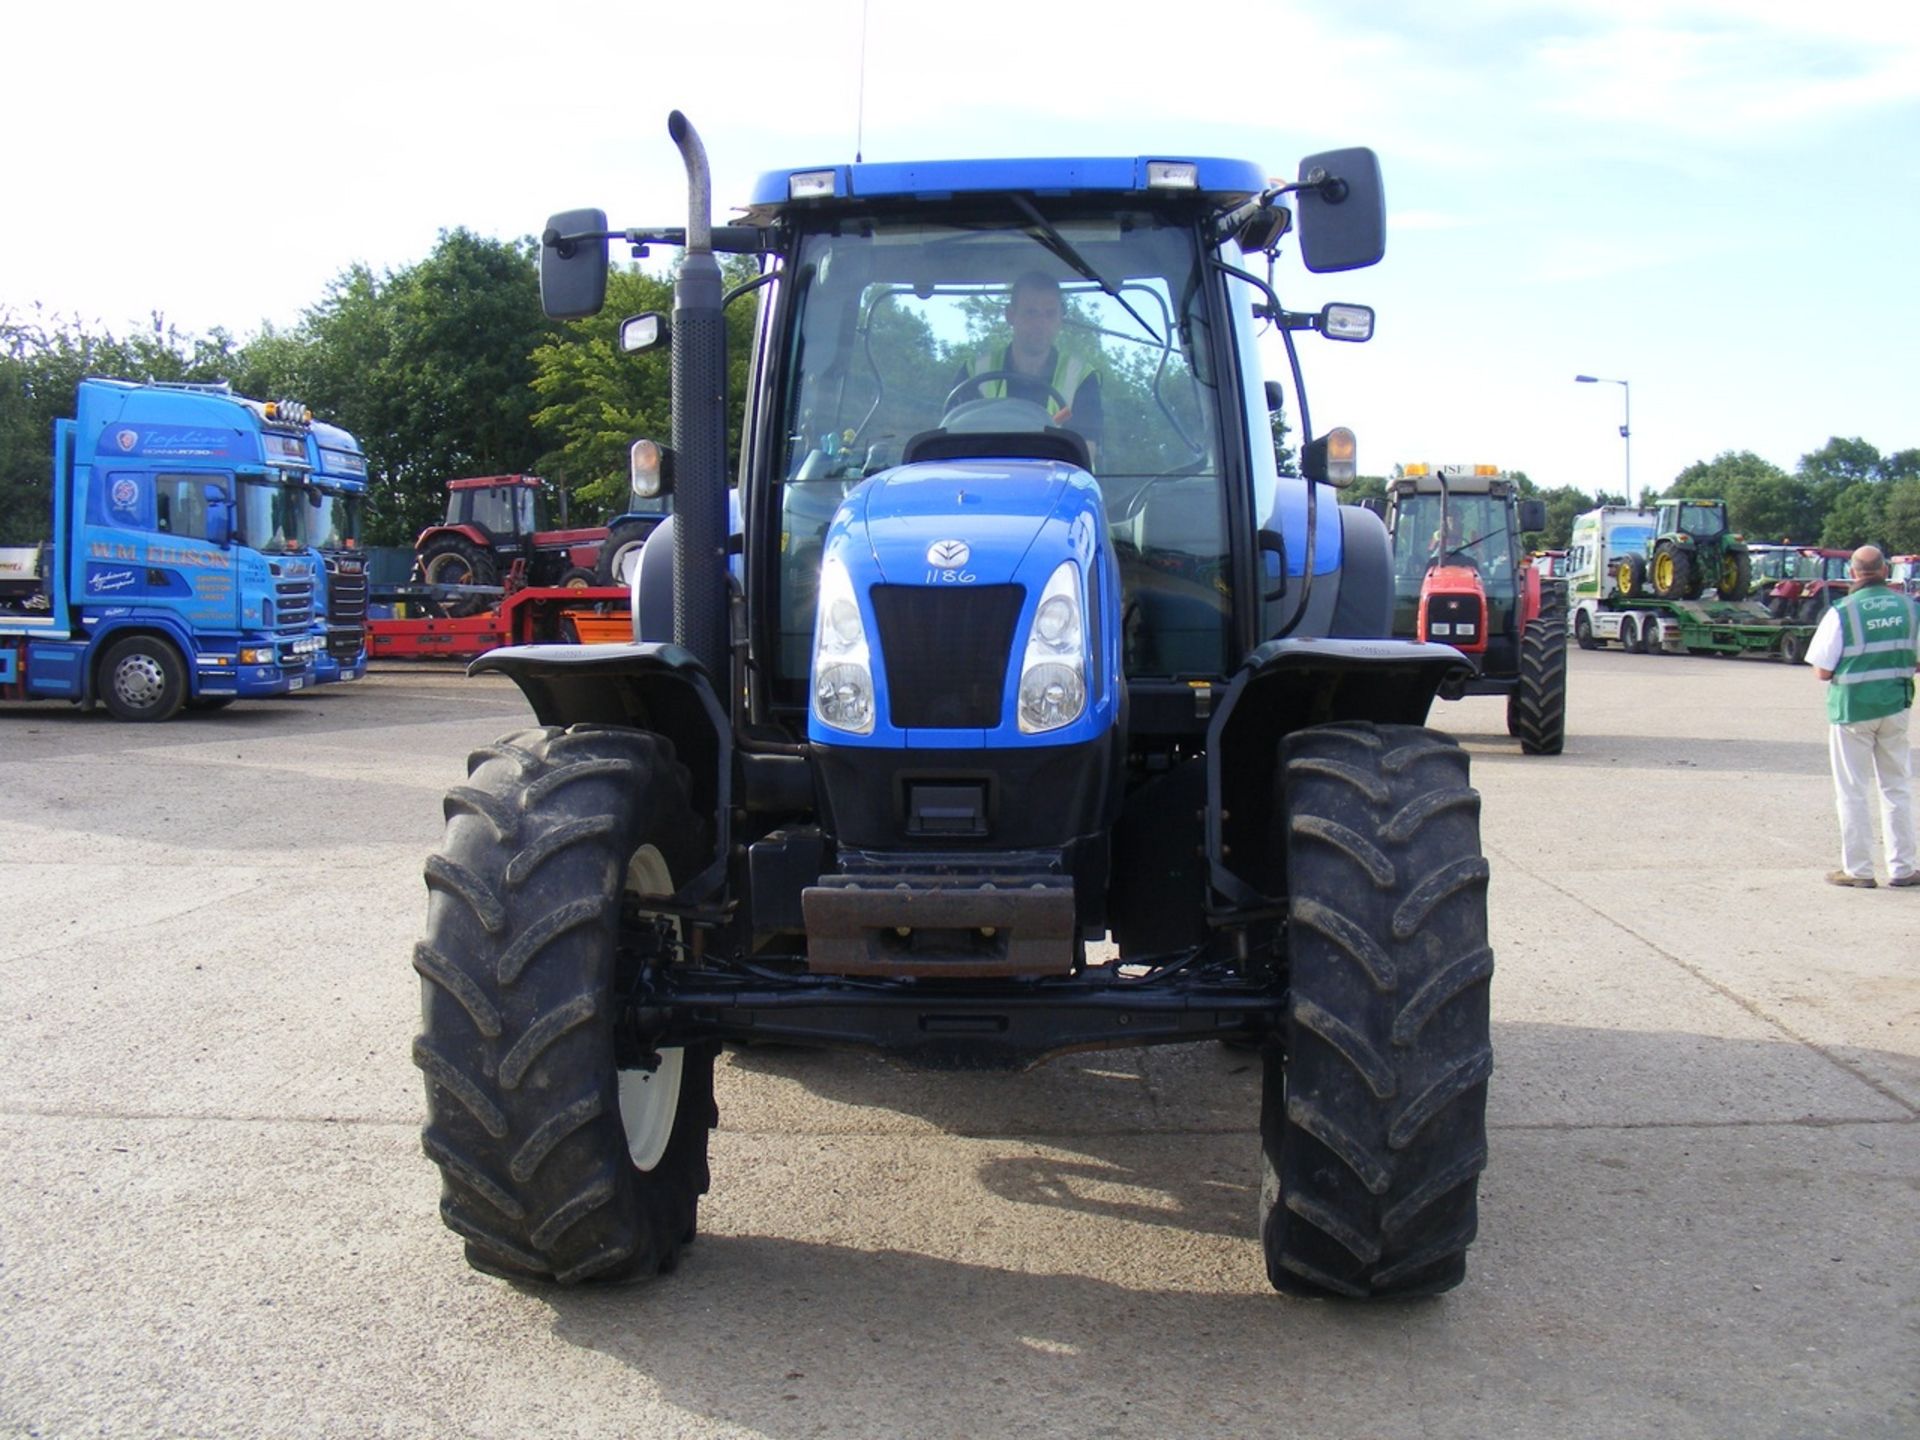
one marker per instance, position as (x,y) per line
(650,1099)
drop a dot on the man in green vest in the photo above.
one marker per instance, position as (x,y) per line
(1867,649)
(1032,367)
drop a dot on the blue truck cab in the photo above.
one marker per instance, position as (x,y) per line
(337,499)
(178,572)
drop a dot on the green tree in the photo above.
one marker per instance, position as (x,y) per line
(593,401)
(1858,517)
(1842,460)
(1763,501)
(430,366)
(1902,518)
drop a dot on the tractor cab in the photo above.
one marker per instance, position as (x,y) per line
(1459,568)
(506,508)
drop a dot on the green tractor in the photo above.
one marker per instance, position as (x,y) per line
(1691,549)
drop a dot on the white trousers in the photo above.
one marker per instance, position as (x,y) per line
(1870,754)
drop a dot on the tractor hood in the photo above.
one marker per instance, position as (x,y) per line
(977,517)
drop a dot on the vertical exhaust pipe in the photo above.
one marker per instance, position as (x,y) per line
(700,428)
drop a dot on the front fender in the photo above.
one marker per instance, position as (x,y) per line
(1287,685)
(643,686)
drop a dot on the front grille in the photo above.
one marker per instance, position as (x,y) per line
(946,650)
(345,643)
(346,594)
(292,604)
(1447,613)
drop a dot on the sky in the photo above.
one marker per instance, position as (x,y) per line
(1715,202)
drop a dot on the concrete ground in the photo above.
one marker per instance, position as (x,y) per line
(1702,1216)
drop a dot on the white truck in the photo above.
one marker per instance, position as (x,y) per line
(1597,611)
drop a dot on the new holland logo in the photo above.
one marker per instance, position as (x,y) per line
(948,554)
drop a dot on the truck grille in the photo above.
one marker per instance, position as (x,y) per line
(346,594)
(292,604)
(945,650)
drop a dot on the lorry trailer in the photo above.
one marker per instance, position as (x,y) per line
(1598,611)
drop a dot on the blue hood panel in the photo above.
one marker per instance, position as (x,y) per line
(918,517)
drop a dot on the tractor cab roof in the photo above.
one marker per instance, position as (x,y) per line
(845,187)
(1455,479)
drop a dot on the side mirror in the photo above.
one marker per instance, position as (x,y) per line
(573,264)
(1533,515)
(643,332)
(1343,211)
(1331,460)
(1275,397)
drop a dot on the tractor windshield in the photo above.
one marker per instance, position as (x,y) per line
(1476,535)
(501,510)
(902,326)
(1703,522)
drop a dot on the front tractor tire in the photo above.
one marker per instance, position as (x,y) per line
(1373,1114)
(567,1152)
(1736,575)
(1537,710)
(620,551)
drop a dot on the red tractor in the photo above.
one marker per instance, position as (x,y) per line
(1461,577)
(494,522)
(1811,579)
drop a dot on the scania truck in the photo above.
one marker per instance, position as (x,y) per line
(177,573)
(333,524)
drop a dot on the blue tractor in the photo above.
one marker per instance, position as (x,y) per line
(1029,705)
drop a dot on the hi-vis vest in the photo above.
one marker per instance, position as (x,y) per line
(1068,372)
(1874,675)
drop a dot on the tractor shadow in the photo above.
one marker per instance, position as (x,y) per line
(859,1287)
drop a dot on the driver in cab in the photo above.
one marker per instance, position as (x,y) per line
(1031,366)
(1456,539)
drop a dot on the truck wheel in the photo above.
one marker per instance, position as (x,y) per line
(456,560)
(565,1154)
(1583,632)
(620,551)
(1373,1116)
(1793,647)
(1630,576)
(1537,711)
(1630,634)
(1653,636)
(577,577)
(143,678)
(1736,575)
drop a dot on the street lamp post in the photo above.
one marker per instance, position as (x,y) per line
(1626,419)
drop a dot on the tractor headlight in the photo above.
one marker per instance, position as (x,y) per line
(1053,674)
(842,669)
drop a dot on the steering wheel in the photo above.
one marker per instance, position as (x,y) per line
(987,377)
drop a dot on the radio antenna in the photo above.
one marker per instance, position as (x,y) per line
(860,106)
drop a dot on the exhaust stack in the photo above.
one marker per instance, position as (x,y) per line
(700,427)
